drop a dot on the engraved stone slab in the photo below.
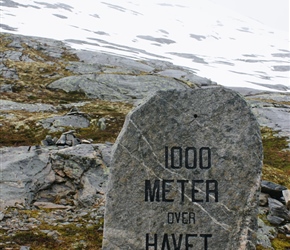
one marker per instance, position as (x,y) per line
(185,174)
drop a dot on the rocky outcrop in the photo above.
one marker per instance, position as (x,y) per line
(117,87)
(42,81)
(272,110)
(274,212)
(67,176)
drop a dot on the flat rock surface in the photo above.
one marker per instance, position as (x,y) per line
(272,110)
(57,122)
(117,87)
(7,105)
(20,169)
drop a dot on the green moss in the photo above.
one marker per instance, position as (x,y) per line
(69,236)
(35,240)
(274,150)
(281,242)
(113,112)
(276,159)
(263,217)
(271,101)
(259,247)
(23,136)
(31,87)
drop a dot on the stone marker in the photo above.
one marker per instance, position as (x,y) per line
(185,174)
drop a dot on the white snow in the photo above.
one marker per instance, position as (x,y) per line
(231,49)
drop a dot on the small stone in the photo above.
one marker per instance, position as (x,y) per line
(76,141)
(24,248)
(44,143)
(102,123)
(278,209)
(287,226)
(62,140)
(66,223)
(83,214)
(49,140)
(263,199)
(6,88)
(70,137)
(45,231)
(1,216)
(38,149)
(275,220)
(53,234)
(50,205)
(19,206)
(285,229)
(63,202)
(69,132)
(286,195)
(88,226)
(273,189)
(86,141)
(263,210)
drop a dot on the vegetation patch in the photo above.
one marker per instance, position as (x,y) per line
(276,158)
(21,128)
(281,242)
(78,234)
(271,101)
(114,114)
(30,77)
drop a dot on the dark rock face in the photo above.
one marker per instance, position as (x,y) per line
(273,189)
(185,170)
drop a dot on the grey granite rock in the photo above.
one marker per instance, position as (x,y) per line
(263,199)
(272,110)
(103,60)
(57,123)
(265,233)
(6,88)
(185,172)
(278,209)
(19,171)
(275,220)
(77,173)
(37,107)
(117,87)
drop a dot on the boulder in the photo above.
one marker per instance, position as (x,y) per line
(265,234)
(286,195)
(74,175)
(179,170)
(273,189)
(117,87)
(278,212)
(263,199)
(20,170)
(37,107)
(58,123)
(79,175)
